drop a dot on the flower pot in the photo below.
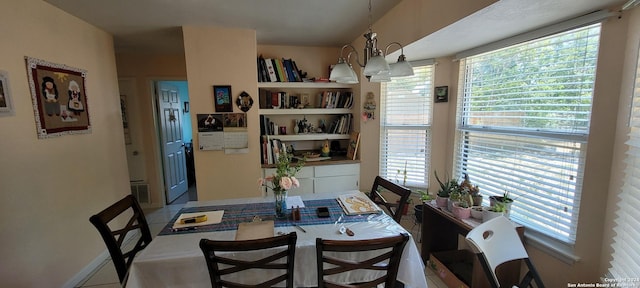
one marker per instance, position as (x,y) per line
(494,199)
(418,212)
(461,212)
(441,201)
(477,200)
(476,212)
(488,214)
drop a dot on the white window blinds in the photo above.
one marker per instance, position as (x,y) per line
(523,123)
(405,107)
(626,242)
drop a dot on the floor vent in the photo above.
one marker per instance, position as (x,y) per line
(141,192)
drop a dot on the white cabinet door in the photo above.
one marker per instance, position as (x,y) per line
(325,178)
(331,178)
(337,170)
(337,183)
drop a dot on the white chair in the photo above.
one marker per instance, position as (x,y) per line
(495,242)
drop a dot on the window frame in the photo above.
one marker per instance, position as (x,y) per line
(395,172)
(463,129)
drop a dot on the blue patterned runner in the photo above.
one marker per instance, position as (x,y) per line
(238,213)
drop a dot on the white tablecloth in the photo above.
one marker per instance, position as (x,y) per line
(177,261)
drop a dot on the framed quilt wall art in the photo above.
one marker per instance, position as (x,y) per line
(59,97)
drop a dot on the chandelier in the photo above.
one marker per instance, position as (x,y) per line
(376,68)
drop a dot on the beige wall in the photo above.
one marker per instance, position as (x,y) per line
(209,63)
(51,187)
(632,20)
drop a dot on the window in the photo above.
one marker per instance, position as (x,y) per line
(405,108)
(626,243)
(523,122)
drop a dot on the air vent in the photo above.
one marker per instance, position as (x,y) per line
(141,192)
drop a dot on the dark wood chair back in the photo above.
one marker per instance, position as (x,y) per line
(388,259)
(114,235)
(394,209)
(210,248)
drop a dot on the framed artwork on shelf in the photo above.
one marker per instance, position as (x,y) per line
(222,98)
(6,106)
(59,97)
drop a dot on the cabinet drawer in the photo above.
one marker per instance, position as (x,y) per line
(337,183)
(337,170)
(305,172)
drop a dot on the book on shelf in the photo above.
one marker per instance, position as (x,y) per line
(263,73)
(280,70)
(357,203)
(271,70)
(296,72)
(288,68)
(352,148)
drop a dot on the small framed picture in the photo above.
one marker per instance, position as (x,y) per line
(6,106)
(222,98)
(442,94)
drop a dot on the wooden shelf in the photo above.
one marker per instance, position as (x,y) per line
(314,136)
(304,111)
(322,85)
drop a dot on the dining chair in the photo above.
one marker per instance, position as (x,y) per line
(385,257)
(109,224)
(395,209)
(497,241)
(221,264)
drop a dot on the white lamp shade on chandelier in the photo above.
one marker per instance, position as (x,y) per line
(375,66)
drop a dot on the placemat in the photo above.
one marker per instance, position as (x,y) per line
(238,213)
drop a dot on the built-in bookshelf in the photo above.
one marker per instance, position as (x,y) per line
(304,115)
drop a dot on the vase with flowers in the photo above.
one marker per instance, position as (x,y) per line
(283,180)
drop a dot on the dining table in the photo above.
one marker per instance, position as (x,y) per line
(174,258)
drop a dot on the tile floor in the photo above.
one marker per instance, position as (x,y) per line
(105,276)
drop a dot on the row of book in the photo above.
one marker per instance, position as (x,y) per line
(278,100)
(271,149)
(336,99)
(284,100)
(278,70)
(266,126)
(340,125)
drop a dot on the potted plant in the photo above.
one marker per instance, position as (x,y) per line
(499,208)
(446,187)
(462,205)
(473,190)
(424,198)
(505,199)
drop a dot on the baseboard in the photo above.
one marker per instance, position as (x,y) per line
(93,266)
(81,276)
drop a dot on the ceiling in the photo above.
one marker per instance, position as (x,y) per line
(140,25)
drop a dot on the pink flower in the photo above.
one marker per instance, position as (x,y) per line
(260,181)
(285,183)
(295,182)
